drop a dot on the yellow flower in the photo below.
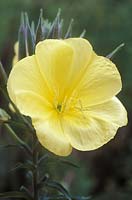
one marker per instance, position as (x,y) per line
(16,48)
(69,93)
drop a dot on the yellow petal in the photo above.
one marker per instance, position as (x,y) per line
(110,111)
(54,58)
(91,128)
(83,51)
(100,82)
(33,105)
(68,92)
(62,62)
(26,76)
(51,136)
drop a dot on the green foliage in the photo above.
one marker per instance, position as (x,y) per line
(15,194)
(29,34)
(107,23)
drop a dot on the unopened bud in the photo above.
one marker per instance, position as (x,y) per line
(4,117)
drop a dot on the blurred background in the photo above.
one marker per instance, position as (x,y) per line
(107,172)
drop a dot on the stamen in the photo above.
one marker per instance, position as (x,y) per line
(59,107)
(81,109)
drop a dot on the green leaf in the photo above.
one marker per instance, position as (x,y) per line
(82,34)
(57,159)
(17,166)
(115,51)
(39,36)
(43,158)
(10,146)
(33,36)
(3,76)
(59,187)
(68,162)
(14,194)
(57,28)
(29,35)
(29,41)
(26,191)
(45,28)
(21,38)
(42,180)
(69,30)
(61,197)
(29,166)
(82,198)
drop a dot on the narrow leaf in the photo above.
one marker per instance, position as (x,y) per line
(10,145)
(39,27)
(3,76)
(69,163)
(28,37)
(115,51)
(42,181)
(83,34)
(57,26)
(14,194)
(45,28)
(26,191)
(28,166)
(69,30)
(61,197)
(55,29)
(21,38)
(43,158)
(33,35)
(59,187)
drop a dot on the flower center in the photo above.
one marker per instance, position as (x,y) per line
(65,104)
(59,108)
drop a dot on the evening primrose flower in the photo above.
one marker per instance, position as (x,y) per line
(69,93)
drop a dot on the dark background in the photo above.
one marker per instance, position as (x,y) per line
(107,172)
